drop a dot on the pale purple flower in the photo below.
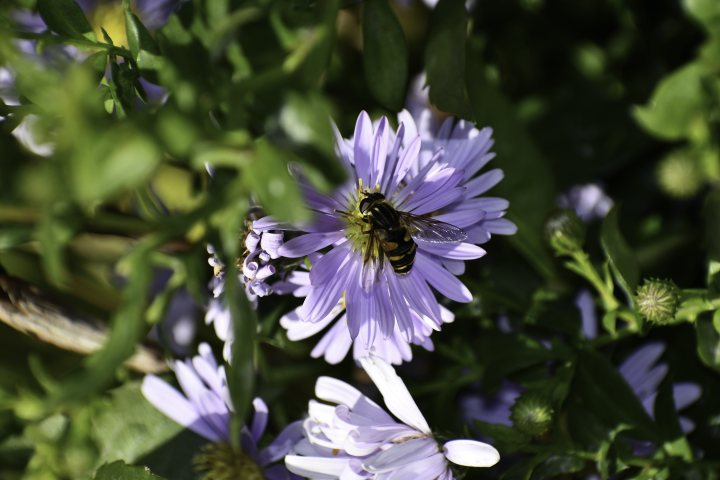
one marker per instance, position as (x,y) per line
(644,375)
(376,299)
(206,409)
(494,409)
(357,439)
(589,202)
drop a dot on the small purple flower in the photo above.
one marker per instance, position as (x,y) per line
(589,202)
(206,409)
(358,439)
(378,302)
(493,409)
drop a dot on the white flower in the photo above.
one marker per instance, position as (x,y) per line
(357,439)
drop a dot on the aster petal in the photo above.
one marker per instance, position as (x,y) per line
(405,118)
(401,454)
(418,295)
(215,413)
(397,398)
(400,307)
(471,453)
(175,406)
(324,269)
(639,363)
(393,159)
(431,185)
(282,444)
(299,330)
(189,381)
(440,200)
(483,183)
(443,281)
(335,343)
(379,153)
(208,374)
(463,218)
(409,158)
(429,169)
(488,204)
(481,160)
(270,223)
(686,394)
(279,472)
(354,471)
(456,267)
(384,311)
(686,425)
(455,251)
(260,419)
(317,468)
(429,468)
(336,391)
(477,234)
(321,300)
(363,147)
(500,226)
(311,242)
(343,153)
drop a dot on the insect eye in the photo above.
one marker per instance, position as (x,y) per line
(364,204)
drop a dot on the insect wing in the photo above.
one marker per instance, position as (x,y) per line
(429,230)
(372,265)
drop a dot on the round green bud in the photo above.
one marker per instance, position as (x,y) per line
(658,300)
(679,174)
(564,231)
(531,414)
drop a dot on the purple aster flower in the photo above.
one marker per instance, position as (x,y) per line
(206,409)
(644,376)
(358,439)
(640,369)
(493,409)
(589,202)
(393,167)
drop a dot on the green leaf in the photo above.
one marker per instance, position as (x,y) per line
(60,223)
(385,55)
(306,119)
(122,89)
(445,58)
(622,259)
(609,321)
(267,175)
(712,225)
(66,18)
(707,12)
(241,374)
(506,439)
(531,187)
(129,426)
(506,353)
(708,343)
(556,465)
(120,471)
(675,105)
(97,62)
(145,50)
(601,388)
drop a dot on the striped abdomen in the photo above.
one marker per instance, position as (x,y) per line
(395,239)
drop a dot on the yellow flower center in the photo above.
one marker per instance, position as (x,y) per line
(358,230)
(225,462)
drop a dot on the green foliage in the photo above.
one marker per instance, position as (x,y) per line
(384,54)
(445,58)
(119,470)
(575,92)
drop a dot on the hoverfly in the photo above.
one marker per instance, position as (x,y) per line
(394,231)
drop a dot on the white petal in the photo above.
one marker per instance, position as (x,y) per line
(471,453)
(333,390)
(401,454)
(394,392)
(319,468)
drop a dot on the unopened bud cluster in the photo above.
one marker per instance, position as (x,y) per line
(531,414)
(256,265)
(658,300)
(564,231)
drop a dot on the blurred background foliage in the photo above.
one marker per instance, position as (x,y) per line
(113,225)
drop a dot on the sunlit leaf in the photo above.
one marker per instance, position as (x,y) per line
(622,259)
(66,18)
(119,470)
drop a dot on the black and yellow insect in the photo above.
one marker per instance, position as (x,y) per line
(395,232)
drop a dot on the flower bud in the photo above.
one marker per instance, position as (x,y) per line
(531,414)
(658,300)
(251,241)
(271,241)
(679,174)
(564,231)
